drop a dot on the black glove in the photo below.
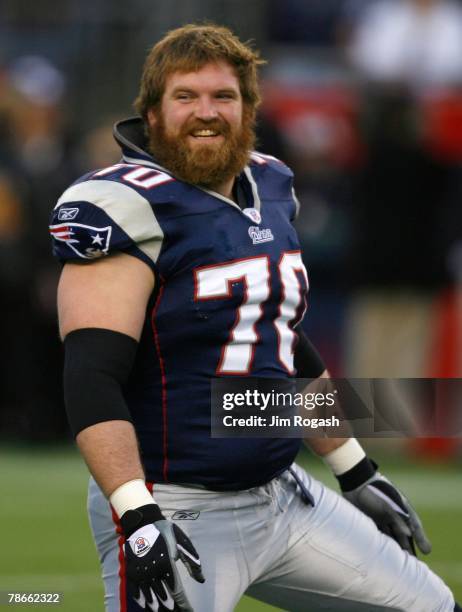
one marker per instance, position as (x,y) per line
(153,545)
(377,497)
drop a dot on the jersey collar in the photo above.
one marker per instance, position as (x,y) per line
(130,136)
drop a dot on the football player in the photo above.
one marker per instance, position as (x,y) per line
(182,266)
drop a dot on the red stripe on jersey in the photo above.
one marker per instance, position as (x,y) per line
(122,574)
(164,387)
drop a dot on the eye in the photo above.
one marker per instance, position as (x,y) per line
(226,95)
(183,96)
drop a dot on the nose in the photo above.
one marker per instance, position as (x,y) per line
(205,108)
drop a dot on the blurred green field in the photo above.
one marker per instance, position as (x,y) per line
(47,545)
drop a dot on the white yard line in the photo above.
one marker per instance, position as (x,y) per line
(450,570)
(434,491)
(49,582)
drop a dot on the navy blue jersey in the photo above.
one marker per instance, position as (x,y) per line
(230,288)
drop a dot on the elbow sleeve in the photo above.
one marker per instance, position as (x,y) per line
(97,364)
(308,362)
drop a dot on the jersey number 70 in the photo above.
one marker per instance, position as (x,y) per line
(212,282)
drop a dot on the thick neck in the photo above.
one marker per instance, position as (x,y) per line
(225,189)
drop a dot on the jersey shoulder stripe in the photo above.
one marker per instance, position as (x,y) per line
(275,181)
(262,159)
(297,205)
(124,207)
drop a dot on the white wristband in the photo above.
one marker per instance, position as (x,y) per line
(345,457)
(129,496)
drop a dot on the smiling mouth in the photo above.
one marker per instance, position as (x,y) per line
(205,134)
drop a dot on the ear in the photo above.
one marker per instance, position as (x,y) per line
(152,117)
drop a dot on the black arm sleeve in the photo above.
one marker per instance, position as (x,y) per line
(308,362)
(97,363)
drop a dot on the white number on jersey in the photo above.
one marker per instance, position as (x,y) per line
(213,282)
(139,176)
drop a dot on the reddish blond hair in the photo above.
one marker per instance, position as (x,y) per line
(188,49)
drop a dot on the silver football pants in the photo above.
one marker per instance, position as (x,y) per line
(267,543)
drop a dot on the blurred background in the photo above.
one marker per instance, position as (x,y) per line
(362,98)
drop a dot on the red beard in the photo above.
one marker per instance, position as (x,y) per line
(207,165)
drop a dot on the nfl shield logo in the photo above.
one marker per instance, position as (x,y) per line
(253,214)
(141,545)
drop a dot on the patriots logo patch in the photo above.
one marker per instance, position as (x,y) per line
(259,236)
(87,241)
